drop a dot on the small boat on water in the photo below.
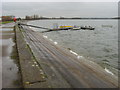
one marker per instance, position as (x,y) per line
(87,27)
(76,28)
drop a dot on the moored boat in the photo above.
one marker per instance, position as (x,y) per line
(76,27)
(87,27)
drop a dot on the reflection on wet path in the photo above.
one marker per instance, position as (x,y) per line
(10,71)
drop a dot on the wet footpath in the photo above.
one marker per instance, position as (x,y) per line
(11,77)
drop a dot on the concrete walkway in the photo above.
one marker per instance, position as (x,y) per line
(10,74)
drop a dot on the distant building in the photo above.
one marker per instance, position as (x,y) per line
(36,16)
(7,18)
(33,17)
(27,17)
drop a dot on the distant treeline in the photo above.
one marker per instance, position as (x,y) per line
(37,17)
(42,18)
(66,18)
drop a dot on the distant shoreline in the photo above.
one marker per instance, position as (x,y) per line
(68,18)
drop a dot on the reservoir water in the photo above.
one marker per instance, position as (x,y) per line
(99,45)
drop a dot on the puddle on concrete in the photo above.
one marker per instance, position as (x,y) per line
(11,77)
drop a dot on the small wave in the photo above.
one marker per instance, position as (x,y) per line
(108,71)
(50,39)
(80,57)
(55,43)
(73,52)
(107,49)
(45,36)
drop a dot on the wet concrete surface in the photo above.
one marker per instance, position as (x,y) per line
(7,25)
(0,63)
(11,77)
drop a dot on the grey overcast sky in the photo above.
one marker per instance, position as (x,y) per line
(60,0)
(57,9)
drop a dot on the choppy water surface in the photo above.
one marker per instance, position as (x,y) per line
(100,45)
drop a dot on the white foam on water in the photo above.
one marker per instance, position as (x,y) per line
(33,29)
(50,39)
(80,57)
(55,43)
(108,71)
(90,61)
(36,65)
(73,52)
(33,65)
(35,62)
(45,36)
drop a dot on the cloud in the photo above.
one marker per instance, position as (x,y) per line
(55,9)
(60,0)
